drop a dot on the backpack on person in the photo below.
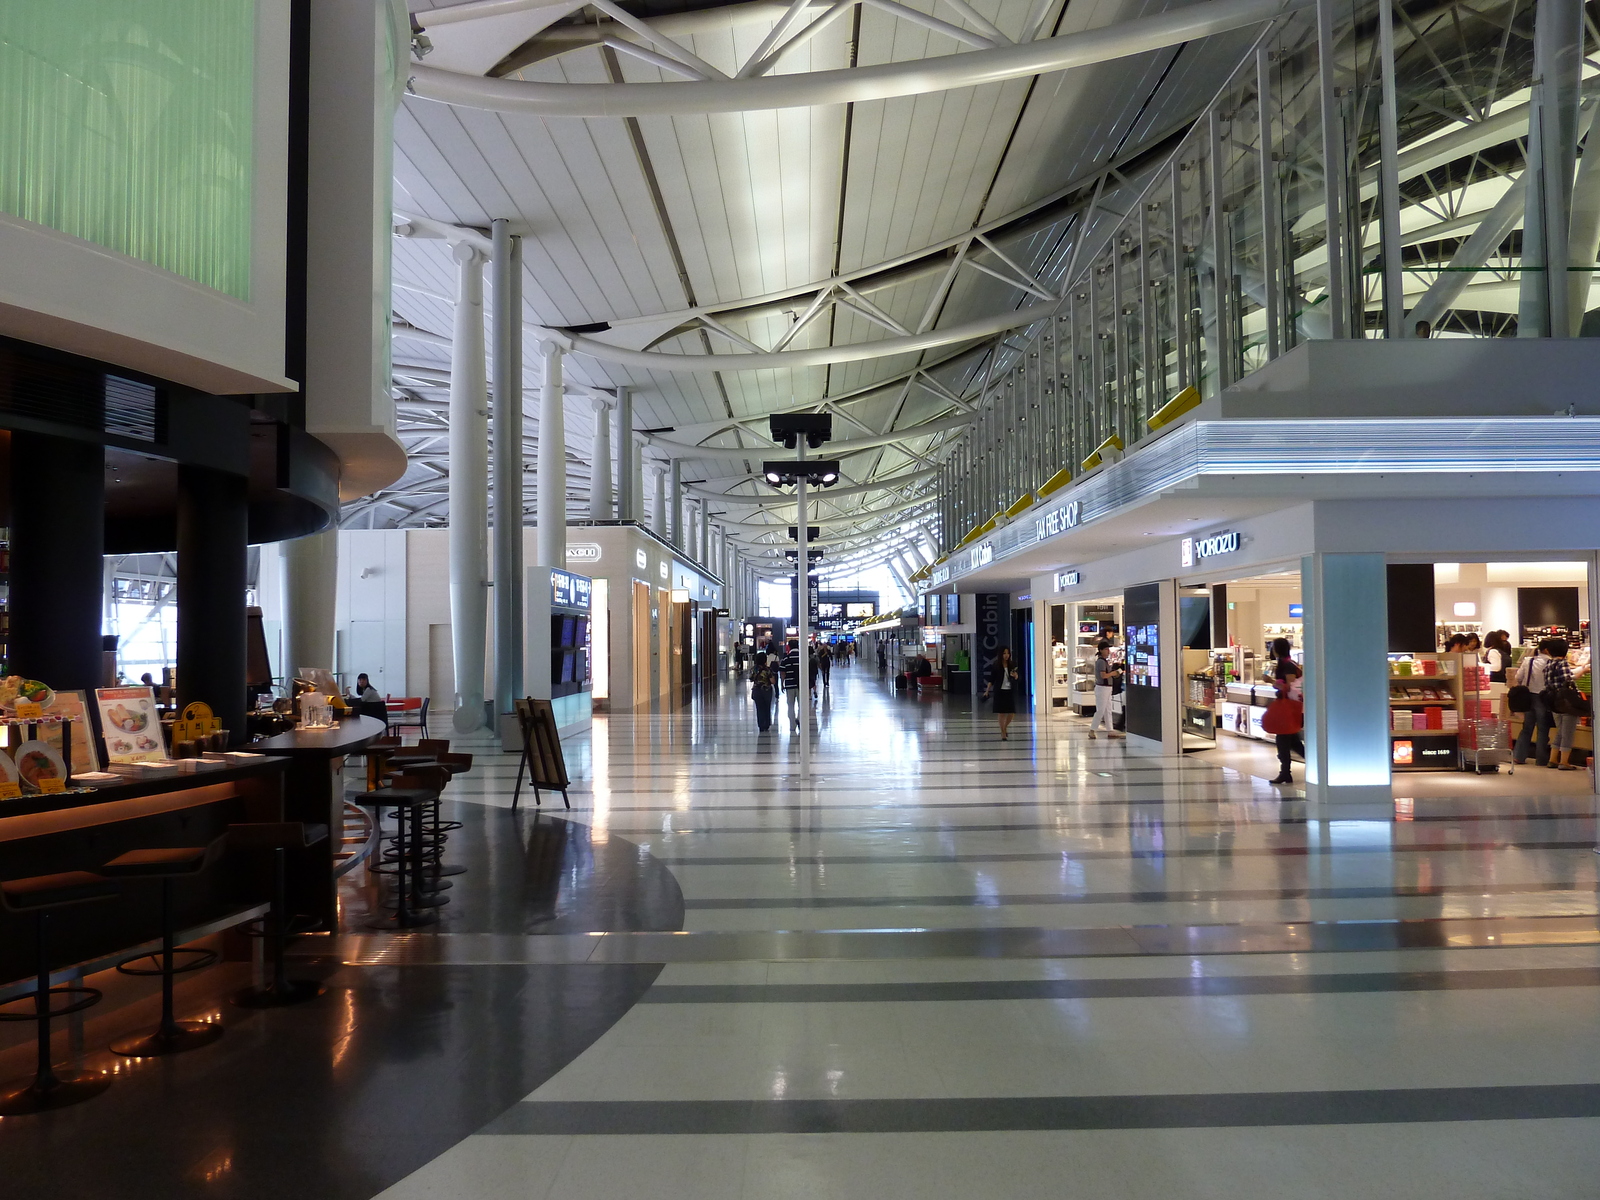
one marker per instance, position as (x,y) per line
(761,681)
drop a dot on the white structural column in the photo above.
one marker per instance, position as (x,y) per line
(627,459)
(1347,678)
(704,540)
(675,502)
(552,538)
(658,503)
(469,491)
(600,468)
(310,575)
(506,320)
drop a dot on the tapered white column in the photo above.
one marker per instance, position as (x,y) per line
(310,581)
(600,467)
(628,481)
(469,492)
(552,538)
(705,533)
(507,326)
(675,503)
(658,503)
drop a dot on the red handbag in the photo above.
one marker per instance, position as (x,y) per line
(1283,715)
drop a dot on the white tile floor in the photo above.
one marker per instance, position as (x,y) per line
(913,803)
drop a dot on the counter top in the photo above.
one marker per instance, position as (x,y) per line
(348,736)
(134,790)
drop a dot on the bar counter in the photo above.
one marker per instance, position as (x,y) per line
(297,779)
(81,831)
(314,793)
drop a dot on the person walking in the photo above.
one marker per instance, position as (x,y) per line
(1537,721)
(1003,686)
(761,682)
(791,685)
(1566,704)
(1286,678)
(825,663)
(1106,676)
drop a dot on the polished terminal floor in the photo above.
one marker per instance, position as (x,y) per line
(946,966)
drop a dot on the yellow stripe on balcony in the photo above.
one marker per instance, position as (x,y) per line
(1023,503)
(1094,460)
(1055,483)
(1173,409)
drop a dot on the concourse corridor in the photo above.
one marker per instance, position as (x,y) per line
(949,966)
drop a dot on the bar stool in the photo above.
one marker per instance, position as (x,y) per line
(41,895)
(278,926)
(167,863)
(407,802)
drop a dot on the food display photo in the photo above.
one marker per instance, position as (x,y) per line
(130,724)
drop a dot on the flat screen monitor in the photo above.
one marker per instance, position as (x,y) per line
(580,633)
(568,662)
(569,628)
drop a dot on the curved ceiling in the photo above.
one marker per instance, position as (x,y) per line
(866,257)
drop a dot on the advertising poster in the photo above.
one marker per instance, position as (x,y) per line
(74,707)
(130,724)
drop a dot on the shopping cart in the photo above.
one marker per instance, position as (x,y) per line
(1486,745)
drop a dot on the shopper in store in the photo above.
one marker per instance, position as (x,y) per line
(1107,674)
(1457,643)
(1286,679)
(761,684)
(1566,704)
(1538,720)
(1497,655)
(1002,686)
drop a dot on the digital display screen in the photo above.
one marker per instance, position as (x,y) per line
(828,610)
(569,628)
(857,612)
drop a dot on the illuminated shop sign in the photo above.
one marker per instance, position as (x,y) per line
(1199,549)
(641,560)
(1067,579)
(983,555)
(583,552)
(1059,520)
(940,575)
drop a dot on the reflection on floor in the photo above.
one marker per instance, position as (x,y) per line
(951,967)
(944,966)
(341,1097)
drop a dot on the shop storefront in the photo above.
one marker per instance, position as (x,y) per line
(1195,606)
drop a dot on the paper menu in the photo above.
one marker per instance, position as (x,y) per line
(74,707)
(130,724)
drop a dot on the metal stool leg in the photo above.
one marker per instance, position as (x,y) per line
(282,991)
(172,1036)
(49,1090)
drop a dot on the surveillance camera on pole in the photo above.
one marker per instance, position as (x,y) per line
(800,432)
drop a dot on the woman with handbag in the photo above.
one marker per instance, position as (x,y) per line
(1566,705)
(1107,678)
(1003,687)
(1285,715)
(1537,717)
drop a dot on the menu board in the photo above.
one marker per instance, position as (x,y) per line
(74,707)
(130,724)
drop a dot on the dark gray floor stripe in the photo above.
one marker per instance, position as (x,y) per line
(1175,897)
(1207,852)
(1139,824)
(986,1115)
(1183,987)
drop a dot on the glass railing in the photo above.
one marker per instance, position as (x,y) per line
(1209,256)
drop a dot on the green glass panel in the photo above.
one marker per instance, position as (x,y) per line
(129,123)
